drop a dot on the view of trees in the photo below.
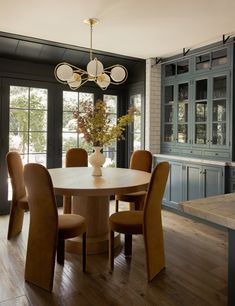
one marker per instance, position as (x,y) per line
(28,122)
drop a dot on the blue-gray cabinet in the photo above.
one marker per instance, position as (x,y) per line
(196,105)
(191,180)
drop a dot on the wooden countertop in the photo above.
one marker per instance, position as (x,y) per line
(217,209)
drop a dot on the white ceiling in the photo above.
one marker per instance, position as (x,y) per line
(150,28)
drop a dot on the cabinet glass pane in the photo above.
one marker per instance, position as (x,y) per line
(201,112)
(169,94)
(203,61)
(168,133)
(170,70)
(201,89)
(182,112)
(182,67)
(219,58)
(168,113)
(219,87)
(219,134)
(219,110)
(200,134)
(182,133)
(183,92)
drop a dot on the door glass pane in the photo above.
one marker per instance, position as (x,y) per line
(183,92)
(28,122)
(201,89)
(219,134)
(110,151)
(182,112)
(219,57)
(170,70)
(201,112)
(182,133)
(168,113)
(28,125)
(219,110)
(169,94)
(219,87)
(200,134)
(70,137)
(182,67)
(168,133)
(202,61)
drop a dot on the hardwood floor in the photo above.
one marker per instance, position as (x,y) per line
(195,274)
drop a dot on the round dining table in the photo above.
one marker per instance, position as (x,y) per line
(90,196)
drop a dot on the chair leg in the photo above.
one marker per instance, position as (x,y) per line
(111,250)
(16,221)
(84,252)
(128,245)
(116,205)
(66,205)
(60,251)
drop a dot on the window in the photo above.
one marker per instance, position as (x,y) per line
(28,124)
(110,151)
(70,137)
(137,124)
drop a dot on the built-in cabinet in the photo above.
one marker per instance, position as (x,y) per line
(191,180)
(197,126)
(196,106)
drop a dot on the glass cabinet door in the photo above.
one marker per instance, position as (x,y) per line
(201,116)
(219,110)
(168,113)
(182,113)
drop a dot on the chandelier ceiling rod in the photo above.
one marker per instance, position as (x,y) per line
(75,77)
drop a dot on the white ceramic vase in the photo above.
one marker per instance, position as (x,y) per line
(97,160)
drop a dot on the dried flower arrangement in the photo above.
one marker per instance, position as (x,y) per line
(96,126)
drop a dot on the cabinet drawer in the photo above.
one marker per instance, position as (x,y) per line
(170,150)
(217,154)
(192,152)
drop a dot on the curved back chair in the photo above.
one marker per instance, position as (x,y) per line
(19,199)
(147,222)
(140,160)
(47,230)
(75,157)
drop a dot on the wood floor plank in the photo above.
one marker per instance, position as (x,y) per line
(195,274)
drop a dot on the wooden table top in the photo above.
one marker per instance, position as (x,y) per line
(217,209)
(79,181)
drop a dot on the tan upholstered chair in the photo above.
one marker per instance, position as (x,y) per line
(19,199)
(140,160)
(147,222)
(75,157)
(47,230)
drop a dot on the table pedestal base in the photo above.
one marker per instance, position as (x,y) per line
(96,211)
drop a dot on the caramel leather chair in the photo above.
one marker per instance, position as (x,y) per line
(47,230)
(19,199)
(75,157)
(140,160)
(147,222)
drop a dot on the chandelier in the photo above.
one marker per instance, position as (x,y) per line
(75,77)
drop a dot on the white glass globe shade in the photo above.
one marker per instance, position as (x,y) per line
(64,72)
(75,81)
(103,80)
(118,74)
(95,68)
